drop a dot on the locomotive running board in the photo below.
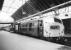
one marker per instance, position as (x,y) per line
(46,11)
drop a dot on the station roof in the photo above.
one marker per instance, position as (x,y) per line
(1,4)
(34,6)
(23,8)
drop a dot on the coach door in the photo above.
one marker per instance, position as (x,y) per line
(17,27)
(40,28)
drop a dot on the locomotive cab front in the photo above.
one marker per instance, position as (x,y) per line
(53,27)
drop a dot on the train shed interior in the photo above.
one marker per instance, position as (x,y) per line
(35,24)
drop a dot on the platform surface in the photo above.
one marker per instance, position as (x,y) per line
(11,41)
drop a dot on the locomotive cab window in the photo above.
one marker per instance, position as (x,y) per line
(54,27)
(57,20)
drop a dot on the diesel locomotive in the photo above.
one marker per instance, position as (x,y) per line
(41,27)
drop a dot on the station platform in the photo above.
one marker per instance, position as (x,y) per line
(11,41)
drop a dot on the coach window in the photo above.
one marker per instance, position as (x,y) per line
(30,26)
(23,27)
